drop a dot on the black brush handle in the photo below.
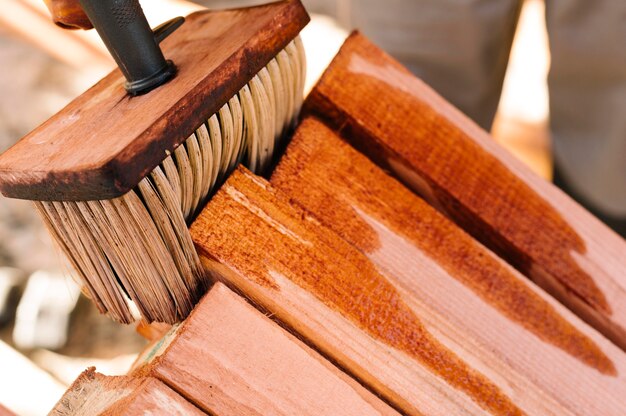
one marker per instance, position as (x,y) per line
(125,31)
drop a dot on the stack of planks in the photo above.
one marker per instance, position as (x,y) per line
(397,261)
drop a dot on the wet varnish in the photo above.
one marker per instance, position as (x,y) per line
(285,240)
(330,178)
(406,128)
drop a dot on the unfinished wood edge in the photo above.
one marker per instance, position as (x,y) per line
(370,396)
(223,291)
(153,397)
(92,393)
(257,297)
(151,355)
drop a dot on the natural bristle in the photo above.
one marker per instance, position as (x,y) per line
(137,247)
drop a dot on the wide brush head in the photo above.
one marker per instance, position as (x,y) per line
(130,173)
(104,142)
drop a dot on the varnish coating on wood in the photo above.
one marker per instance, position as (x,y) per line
(104,142)
(406,128)
(347,192)
(262,239)
(489,311)
(229,359)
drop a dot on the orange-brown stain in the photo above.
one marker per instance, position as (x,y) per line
(334,272)
(329,178)
(380,107)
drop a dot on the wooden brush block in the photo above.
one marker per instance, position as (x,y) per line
(229,359)
(105,141)
(96,394)
(406,128)
(327,291)
(463,291)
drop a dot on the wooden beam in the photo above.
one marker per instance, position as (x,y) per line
(360,316)
(96,394)
(228,358)
(408,129)
(463,291)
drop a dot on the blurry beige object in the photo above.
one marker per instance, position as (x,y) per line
(67,369)
(26,389)
(43,314)
(322,38)
(84,49)
(521,122)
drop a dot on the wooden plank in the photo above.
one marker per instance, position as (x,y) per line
(463,291)
(409,130)
(105,141)
(228,358)
(96,394)
(285,260)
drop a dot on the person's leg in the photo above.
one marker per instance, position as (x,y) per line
(459,47)
(587,84)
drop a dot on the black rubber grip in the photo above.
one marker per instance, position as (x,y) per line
(125,31)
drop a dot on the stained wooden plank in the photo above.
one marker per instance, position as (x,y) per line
(228,358)
(463,291)
(95,394)
(105,141)
(409,130)
(359,314)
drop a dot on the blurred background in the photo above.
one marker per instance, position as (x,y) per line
(49,332)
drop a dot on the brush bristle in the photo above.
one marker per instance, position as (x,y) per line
(135,253)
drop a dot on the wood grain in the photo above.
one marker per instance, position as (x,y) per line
(96,394)
(465,292)
(408,129)
(105,141)
(332,295)
(228,358)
